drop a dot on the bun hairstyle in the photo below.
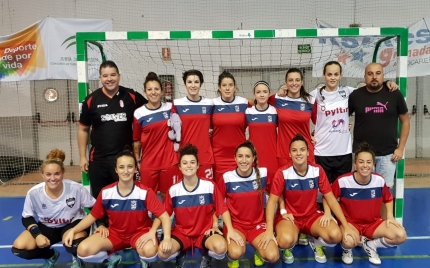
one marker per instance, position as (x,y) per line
(56,156)
(364,147)
(151,76)
(127,152)
(188,149)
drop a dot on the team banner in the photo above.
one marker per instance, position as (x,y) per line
(354,53)
(46,50)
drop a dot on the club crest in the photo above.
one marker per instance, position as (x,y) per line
(70,202)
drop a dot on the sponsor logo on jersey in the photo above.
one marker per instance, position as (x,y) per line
(202,200)
(70,202)
(284,104)
(133,204)
(235,188)
(378,109)
(181,202)
(220,109)
(269,118)
(121,103)
(204,110)
(185,110)
(114,205)
(255,118)
(353,194)
(165,115)
(254,185)
(44,206)
(149,119)
(372,193)
(56,221)
(102,105)
(294,185)
(236,108)
(118,117)
(311,184)
(302,107)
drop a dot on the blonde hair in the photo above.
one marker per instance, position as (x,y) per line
(55,156)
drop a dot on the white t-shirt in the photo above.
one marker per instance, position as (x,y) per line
(61,211)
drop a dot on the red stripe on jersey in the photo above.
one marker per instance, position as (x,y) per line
(89,102)
(133,97)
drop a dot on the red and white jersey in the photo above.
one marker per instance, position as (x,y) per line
(293,118)
(300,192)
(360,203)
(196,122)
(194,210)
(150,128)
(331,118)
(229,125)
(244,201)
(127,214)
(262,126)
(59,212)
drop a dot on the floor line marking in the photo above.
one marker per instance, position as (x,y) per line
(7,218)
(417,237)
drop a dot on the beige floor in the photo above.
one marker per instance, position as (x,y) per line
(417,175)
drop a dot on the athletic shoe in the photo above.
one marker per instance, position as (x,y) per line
(371,252)
(287,256)
(347,256)
(318,251)
(77,263)
(144,264)
(303,239)
(49,263)
(180,259)
(258,261)
(206,262)
(113,261)
(233,264)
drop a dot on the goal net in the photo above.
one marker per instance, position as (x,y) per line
(250,55)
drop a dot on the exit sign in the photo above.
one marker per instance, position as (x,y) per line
(303,49)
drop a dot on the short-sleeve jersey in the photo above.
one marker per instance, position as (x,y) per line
(127,214)
(300,192)
(244,201)
(294,117)
(229,125)
(196,122)
(111,120)
(376,116)
(56,213)
(194,210)
(361,203)
(331,117)
(262,127)
(150,128)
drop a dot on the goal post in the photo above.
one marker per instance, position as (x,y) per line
(400,34)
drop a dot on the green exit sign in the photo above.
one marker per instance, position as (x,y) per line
(303,49)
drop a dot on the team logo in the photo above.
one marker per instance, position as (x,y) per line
(121,103)
(165,115)
(302,107)
(311,184)
(323,108)
(202,200)
(133,204)
(204,110)
(269,118)
(372,193)
(254,185)
(44,206)
(342,93)
(69,201)
(236,108)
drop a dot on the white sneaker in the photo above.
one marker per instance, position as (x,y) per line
(318,251)
(347,256)
(287,256)
(371,252)
(303,239)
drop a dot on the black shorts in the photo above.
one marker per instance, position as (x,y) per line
(55,234)
(334,166)
(101,174)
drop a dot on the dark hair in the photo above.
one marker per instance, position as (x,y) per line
(303,94)
(332,63)
(299,137)
(188,149)
(364,147)
(225,74)
(55,156)
(192,72)
(151,76)
(248,144)
(126,152)
(261,82)
(107,64)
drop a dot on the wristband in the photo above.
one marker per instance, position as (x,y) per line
(283,211)
(35,231)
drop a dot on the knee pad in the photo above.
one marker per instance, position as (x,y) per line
(25,254)
(74,248)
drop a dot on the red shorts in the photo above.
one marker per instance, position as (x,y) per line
(159,180)
(304,224)
(250,233)
(120,241)
(367,229)
(187,242)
